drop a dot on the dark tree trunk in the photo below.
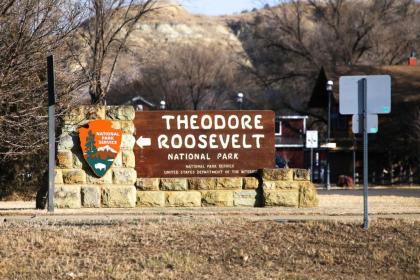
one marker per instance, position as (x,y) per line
(42,194)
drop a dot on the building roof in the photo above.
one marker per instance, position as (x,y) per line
(140,100)
(319,97)
(405,82)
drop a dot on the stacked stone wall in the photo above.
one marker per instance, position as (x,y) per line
(271,187)
(76,186)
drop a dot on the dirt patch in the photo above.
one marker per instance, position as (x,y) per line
(211,249)
(19,196)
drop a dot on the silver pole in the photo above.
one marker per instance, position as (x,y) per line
(312,165)
(354,160)
(365,158)
(51,132)
(328,181)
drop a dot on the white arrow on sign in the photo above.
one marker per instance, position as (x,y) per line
(144,142)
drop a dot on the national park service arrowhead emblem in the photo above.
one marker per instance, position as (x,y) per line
(100,144)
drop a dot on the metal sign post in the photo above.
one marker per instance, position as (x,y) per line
(364,97)
(365,157)
(51,132)
(312,164)
(312,142)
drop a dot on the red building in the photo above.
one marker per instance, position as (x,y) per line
(290,139)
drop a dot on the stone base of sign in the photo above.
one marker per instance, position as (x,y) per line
(308,195)
(173,184)
(280,185)
(216,183)
(202,183)
(77,186)
(105,180)
(217,198)
(147,184)
(276,174)
(301,175)
(58,179)
(67,196)
(91,196)
(74,176)
(151,199)
(286,198)
(192,192)
(250,183)
(274,187)
(183,199)
(119,196)
(248,198)
(124,176)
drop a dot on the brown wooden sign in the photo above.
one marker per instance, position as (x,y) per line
(203,144)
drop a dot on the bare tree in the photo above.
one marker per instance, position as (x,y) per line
(103,37)
(289,43)
(28,30)
(400,134)
(279,40)
(295,38)
(187,77)
(349,31)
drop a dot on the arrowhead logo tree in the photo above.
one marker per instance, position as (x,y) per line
(100,144)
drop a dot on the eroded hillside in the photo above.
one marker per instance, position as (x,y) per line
(171,24)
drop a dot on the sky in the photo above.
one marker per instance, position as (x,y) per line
(221,7)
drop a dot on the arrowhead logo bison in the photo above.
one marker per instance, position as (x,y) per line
(100,144)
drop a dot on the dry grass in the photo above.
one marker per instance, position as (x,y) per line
(215,249)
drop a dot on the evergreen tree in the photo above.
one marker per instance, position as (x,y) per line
(90,144)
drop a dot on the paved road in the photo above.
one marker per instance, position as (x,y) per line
(339,205)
